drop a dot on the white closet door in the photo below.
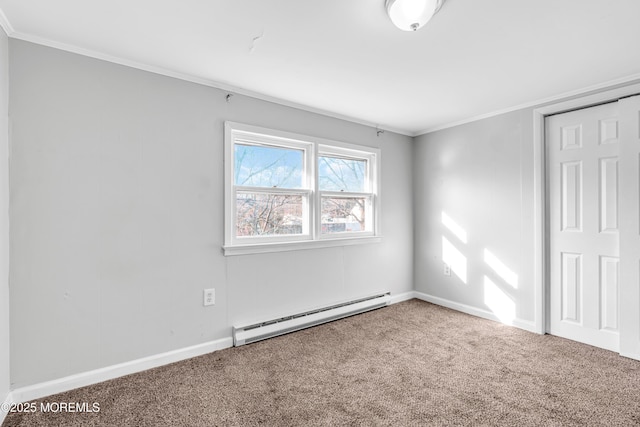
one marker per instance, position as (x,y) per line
(583,189)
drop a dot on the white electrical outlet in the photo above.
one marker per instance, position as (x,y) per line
(447,269)
(209,296)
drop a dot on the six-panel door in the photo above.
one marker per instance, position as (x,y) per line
(583,190)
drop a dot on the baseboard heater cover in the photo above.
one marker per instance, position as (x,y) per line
(272,328)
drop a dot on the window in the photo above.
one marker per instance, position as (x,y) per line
(285,191)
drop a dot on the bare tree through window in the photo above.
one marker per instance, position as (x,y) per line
(344,175)
(263,212)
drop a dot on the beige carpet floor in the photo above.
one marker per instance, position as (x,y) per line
(412,363)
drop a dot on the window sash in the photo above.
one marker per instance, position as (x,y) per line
(367,225)
(305,214)
(295,168)
(366,181)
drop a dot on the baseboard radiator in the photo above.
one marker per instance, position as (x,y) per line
(284,325)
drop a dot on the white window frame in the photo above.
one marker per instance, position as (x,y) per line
(312,147)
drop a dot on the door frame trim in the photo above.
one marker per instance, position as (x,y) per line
(540,182)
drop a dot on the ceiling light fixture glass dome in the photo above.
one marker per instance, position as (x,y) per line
(409,15)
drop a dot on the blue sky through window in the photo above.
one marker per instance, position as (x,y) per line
(262,166)
(339,174)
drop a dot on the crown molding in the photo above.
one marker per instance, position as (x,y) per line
(193,79)
(11,33)
(5,24)
(611,84)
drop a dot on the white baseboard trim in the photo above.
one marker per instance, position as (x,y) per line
(474,311)
(631,356)
(5,406)
(405,296)
(48,388)
(37,391)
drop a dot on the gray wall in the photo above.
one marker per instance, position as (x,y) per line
(4,217)
(117,217)
(480,175)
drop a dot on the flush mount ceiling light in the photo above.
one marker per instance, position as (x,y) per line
(409,15)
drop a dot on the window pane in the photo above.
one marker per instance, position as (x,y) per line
(268,214)
(344,214)
(263,166)
(338,174)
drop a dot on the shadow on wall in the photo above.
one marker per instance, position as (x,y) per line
(499,281)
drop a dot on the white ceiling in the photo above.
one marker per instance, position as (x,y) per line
(345,57)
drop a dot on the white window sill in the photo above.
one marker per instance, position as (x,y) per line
(262,248)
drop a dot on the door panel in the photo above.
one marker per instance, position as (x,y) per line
(609,195)
(609,290)
(583,218)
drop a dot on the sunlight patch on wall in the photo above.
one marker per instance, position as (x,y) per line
(453,227)
(498,302)
(454,258)
(501,270)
